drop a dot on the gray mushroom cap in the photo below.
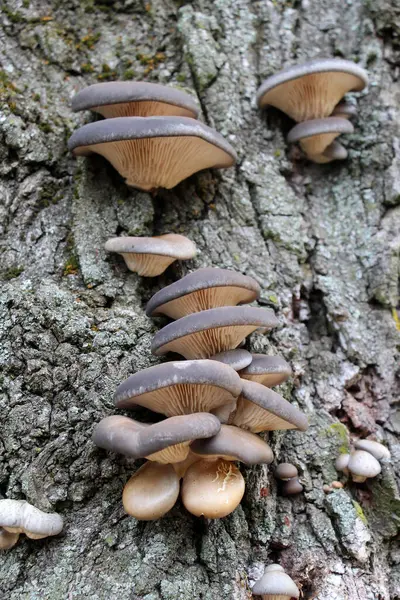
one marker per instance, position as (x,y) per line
(273,567)
(363,465)
(292,487)
(378,451)
(237,359)
(138,440)
(118,92)
(170,244)
(276,583)
(234,443)
(335,151)
(315,127)
(342,462)
(286,471)
(344,110)
(263,367)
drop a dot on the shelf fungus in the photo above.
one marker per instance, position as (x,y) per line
(150,256)
(205,333)
(313,89)
(154,152)
(18,516)
(267,370)
(275,584)
(135,99)
(201,290)
(317,138)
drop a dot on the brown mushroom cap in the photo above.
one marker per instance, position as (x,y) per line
(286,471)
(261,409)
(153,152)
(267,370)
(377,450)
(151,492)
(7,539)
(201,290)
(232,443)
(150,256)
(135,99)
(237,359)
(181,387)
(344,110)
(164,442)
(18,516)
(206,333)
(316,136)
(292,487)
(275,584)
(362,465)
(311,90)
(212,489)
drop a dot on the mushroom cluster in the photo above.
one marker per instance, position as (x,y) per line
(18,516)
(288,473)
(275,584)
(215,401)
(311,94)
(150,133)
(363,462)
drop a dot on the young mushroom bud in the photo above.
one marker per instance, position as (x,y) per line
(267,370)
(342,462)
(275,584)
(362,465)
(292,487)
(378,451)
(7,539)
(151,492)
(286,471)
(18,516)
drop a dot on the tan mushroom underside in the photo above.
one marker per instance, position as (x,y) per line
(151,492)
(145,108)
(315,145)
(29,534)
(147,265)
(7,539)
(172,454)
(182,467)
(267,379)
(212,489)
(151,163)
(252,417)
(213,297)
(204,344)
(185,399)
(312,96)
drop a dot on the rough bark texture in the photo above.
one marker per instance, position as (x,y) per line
(323,242)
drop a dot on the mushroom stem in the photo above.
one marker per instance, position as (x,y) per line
(358,478)
(183,466)
(7,539)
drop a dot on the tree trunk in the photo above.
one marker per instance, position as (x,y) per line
(322,240)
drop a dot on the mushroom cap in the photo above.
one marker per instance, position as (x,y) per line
(180,387)
(286,471)
(267,370)
(276,583)
(313,89)
(165,442)
(363,464)
(152,152)
(18,516)
(274,567)
(316,127)
(212,488)
(201,290)
(377,450)
(237,359)
(261,409)
(344,110)
(342,462)
(292,487)
(134,98)
(335,151)
(151,492)
(208,332)
(7,539)
(233,443)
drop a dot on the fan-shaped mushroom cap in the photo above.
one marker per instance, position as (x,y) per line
(334,151)
(377,450)
(316,136)
(344,110)
(261,409)
(292,487)
(206,333)
(311,90)
(164,442)
(232,443)
(151,492)
(267,370)
(153,152)
(201,290)
(286,471)
(212,489)
(362,465)
(237,359)
(275,584)
(7,539)
(18,516)
(150,256)
(134,99)
(342,462)
(181,387)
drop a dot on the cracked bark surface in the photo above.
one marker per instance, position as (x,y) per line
(323,242)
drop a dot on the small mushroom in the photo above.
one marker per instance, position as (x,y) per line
(316,137)
(362,465)
(275,584)
(267,370)
(237,359)
(378,451)
(292,487)
(342,462)
(334,151)
(150,256)
(153,152)
(313,89)
(344,110)
(134,99)
(260,409)
(151,492)
(286,471)
(164,442)
(7,539)
(206,333)
(181,387)
(18,516)
(201,290)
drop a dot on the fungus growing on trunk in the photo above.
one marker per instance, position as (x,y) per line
(316,138)
(18,516)
(267,370)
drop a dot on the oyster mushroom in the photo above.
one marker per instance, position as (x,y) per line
(237,359)
(362,466)
(153,152)
(18,516)
(316,137)
(378,451)
(342,462)
(150,256)
(209,332)
(267,370)
(286,471)
(292,487)
(135,99)
(313,89)
(344,110)
(275,584)
(201,290)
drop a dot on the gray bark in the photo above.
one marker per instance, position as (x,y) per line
(323,242)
